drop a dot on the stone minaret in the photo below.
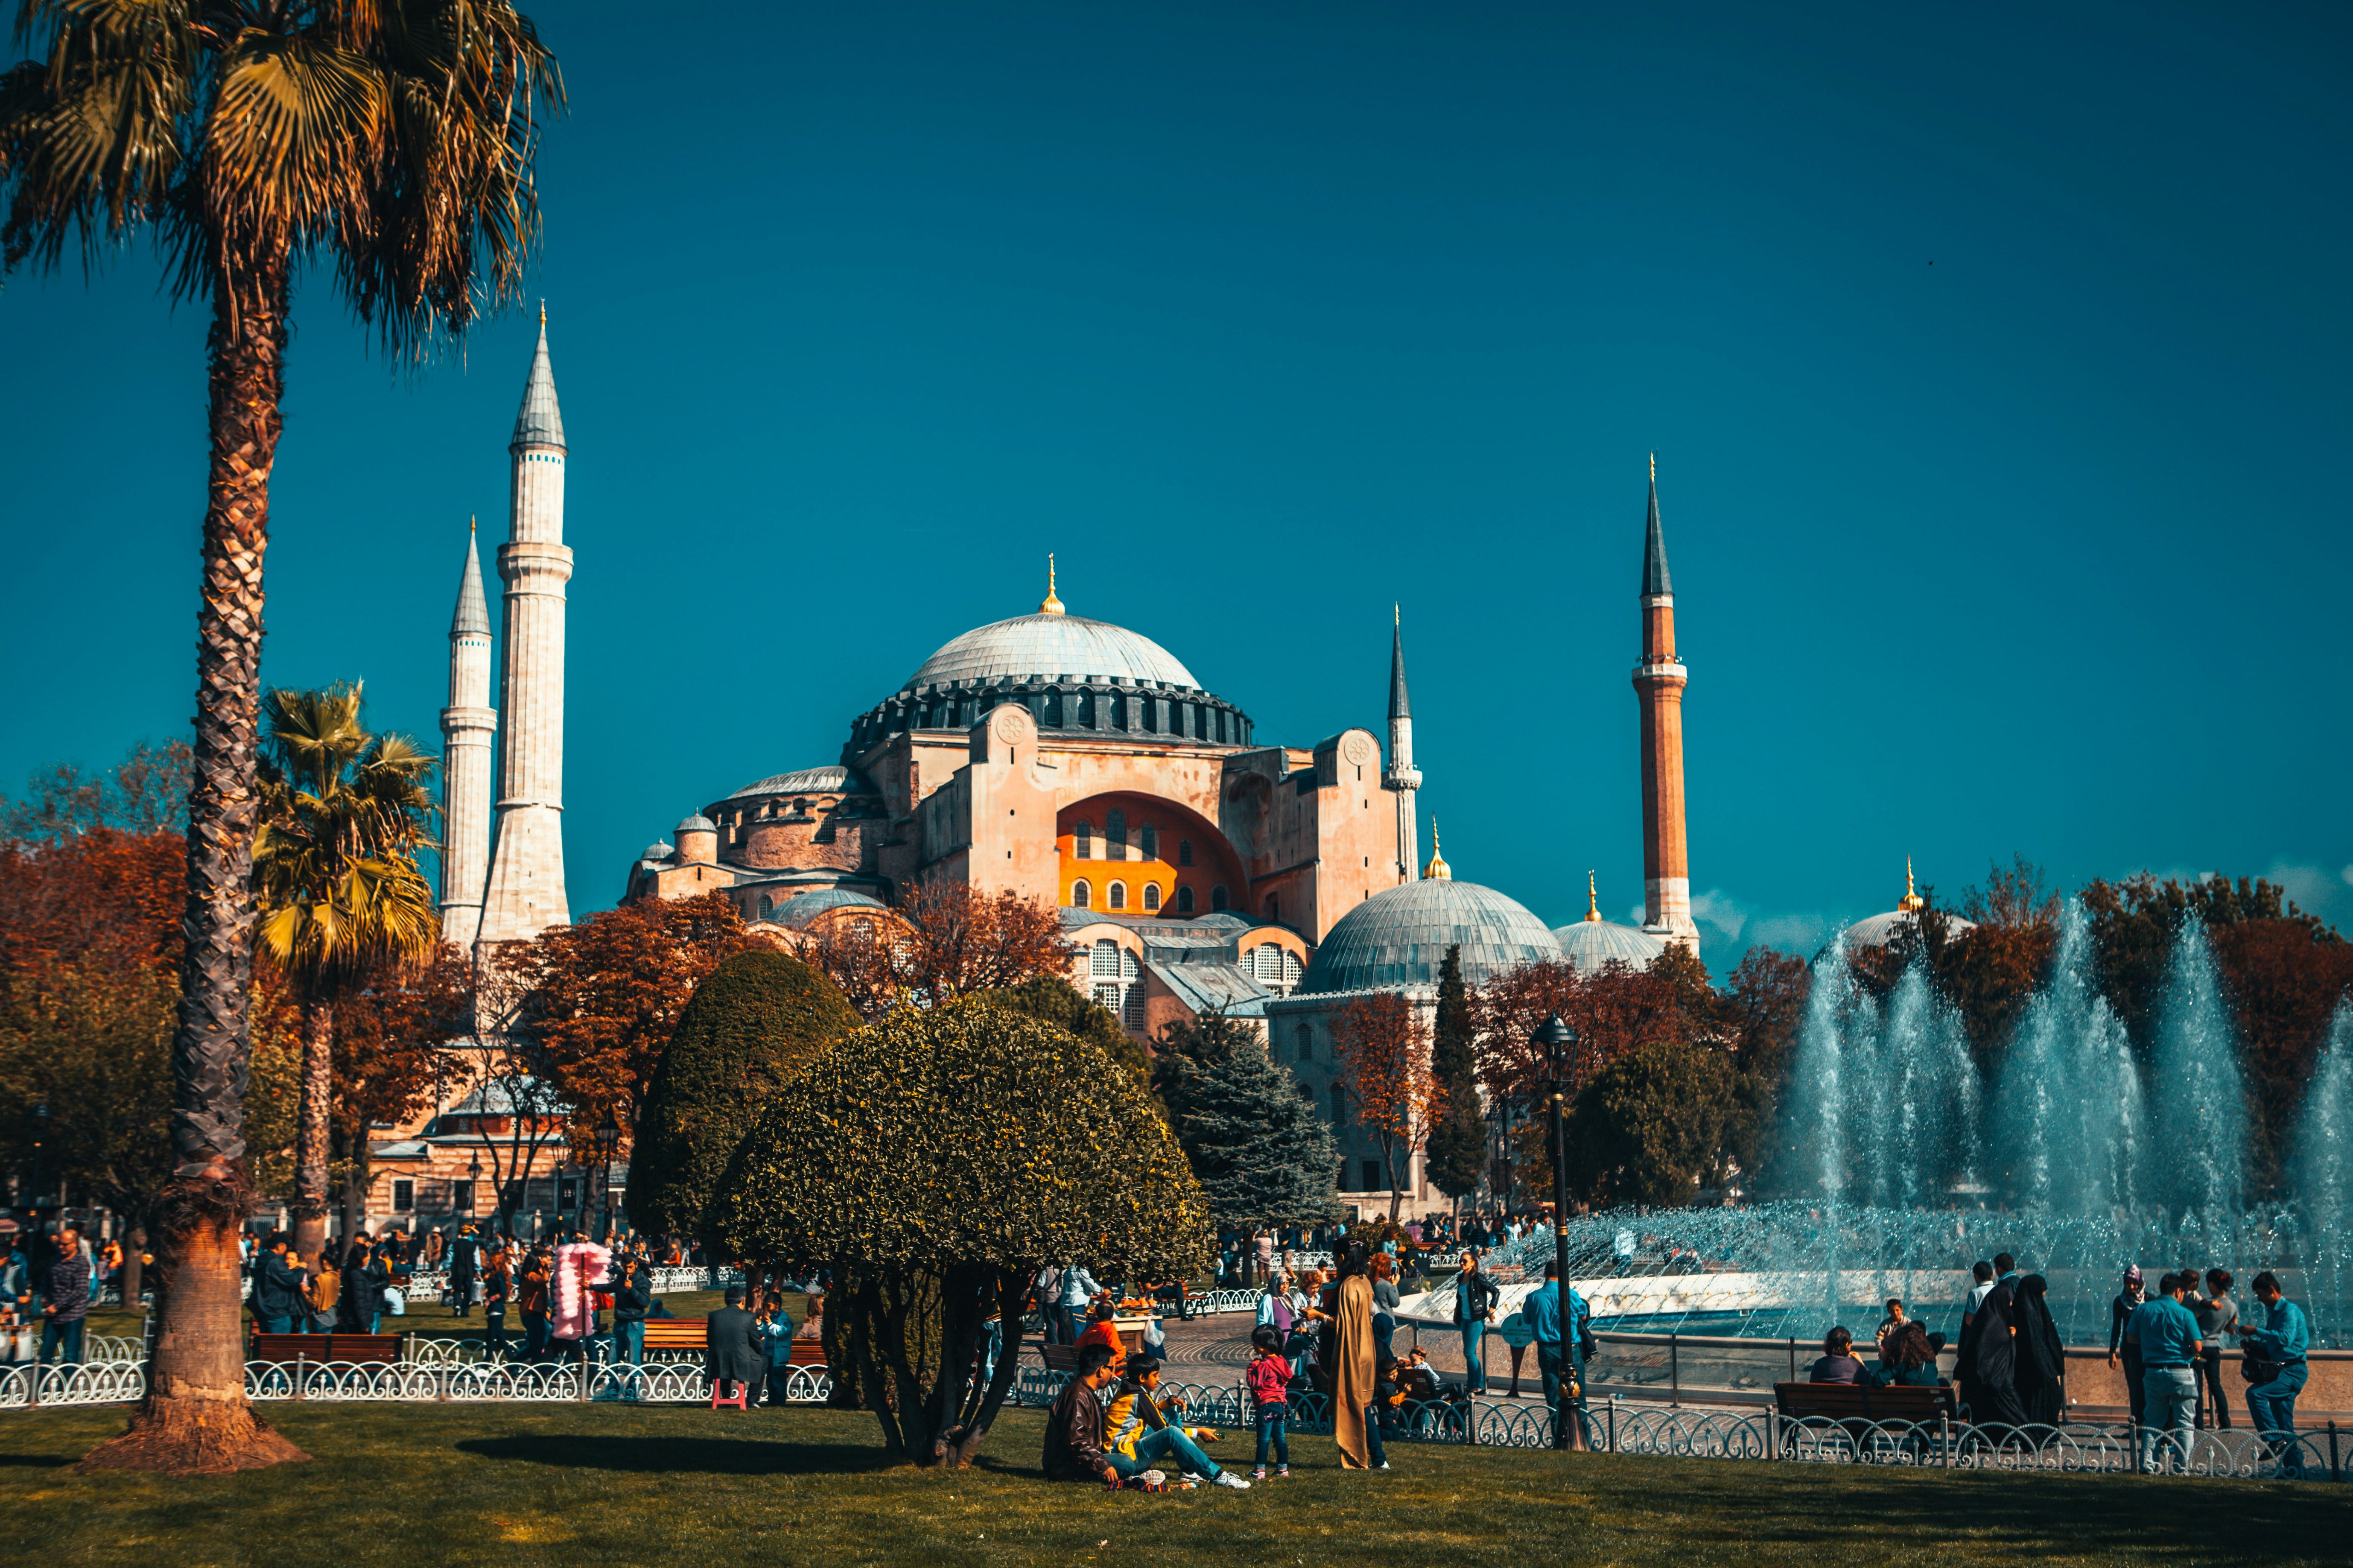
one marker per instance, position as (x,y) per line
(526,888)
(467,725)
(1402,778)
(1659,681)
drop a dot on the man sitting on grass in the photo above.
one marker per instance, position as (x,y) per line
(1074,1423)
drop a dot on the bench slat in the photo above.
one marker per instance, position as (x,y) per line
(327,1347)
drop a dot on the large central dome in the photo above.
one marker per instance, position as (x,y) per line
(1044,647)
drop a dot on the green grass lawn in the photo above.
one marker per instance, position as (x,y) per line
(602,1484)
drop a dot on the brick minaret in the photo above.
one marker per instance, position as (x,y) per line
(1659,681)
(1402,778)
(467,726)
(526,888)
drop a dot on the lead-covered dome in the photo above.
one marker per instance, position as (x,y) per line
(1591,943)
(1047,647)
(1400,937)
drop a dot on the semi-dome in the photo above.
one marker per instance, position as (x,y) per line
(809,780)
(1042,647)
(1400,938)
(798,911)
(698,823)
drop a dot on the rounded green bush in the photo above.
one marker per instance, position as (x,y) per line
(752,1027)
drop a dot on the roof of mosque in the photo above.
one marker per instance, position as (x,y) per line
(1877,931)
(539,422)
(1049,645)
(657,850)
(698,823)
(796,912)
(1589,944)
(809,780)
(1399,937)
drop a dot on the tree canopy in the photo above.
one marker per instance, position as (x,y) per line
(759,1020)
(1056,1001)
(1263,1154)
(936,1159)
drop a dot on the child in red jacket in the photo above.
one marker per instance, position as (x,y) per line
(1270,1386)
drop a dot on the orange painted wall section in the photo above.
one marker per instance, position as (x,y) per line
(1214,864)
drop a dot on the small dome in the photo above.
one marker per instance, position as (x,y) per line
(698,823)
(1589,944)
(797,912)
(1878,931)
(809,780)
(1400,938)
(657,850)
(1050,644)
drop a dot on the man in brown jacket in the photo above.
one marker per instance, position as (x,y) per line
(1074,1425)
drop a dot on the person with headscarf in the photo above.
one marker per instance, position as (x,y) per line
(1354,1366)
(2042,1361)
(1994,1355)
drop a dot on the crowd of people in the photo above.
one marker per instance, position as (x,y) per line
(2010,1364)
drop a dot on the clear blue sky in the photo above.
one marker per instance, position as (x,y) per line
(1995,358)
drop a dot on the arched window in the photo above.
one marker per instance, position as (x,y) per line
(1306,1038)
(1116,835)
(1184,900)
(767,906)
(1103,959)
(1118,898)
(1217,897)
(1082,835)
(864,928)
(1184,852)
(1082,897)
(1151,836)
(1151,895)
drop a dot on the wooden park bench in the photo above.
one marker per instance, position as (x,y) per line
(686,1339)
(317,1347)
(1853,1405)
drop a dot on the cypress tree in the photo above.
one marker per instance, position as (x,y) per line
(1457,1152)
(1259,1150)
(746,1032)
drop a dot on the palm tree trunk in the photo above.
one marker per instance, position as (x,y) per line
(196,1419)
(311,1127)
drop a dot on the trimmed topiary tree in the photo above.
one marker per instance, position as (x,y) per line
(1064,1004)
(749,1028)
(937,1160)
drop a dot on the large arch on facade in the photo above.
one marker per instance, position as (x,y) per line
(1139,854)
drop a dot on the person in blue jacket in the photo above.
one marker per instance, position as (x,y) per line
(2283,1342)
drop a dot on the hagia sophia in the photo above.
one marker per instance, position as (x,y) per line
(1197,867)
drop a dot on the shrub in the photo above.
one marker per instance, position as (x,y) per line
(939,1160)
(755,1022)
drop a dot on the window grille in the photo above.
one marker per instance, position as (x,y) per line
(1080,897)
(1151,840)
(1128,967)
(404,1196)
(1292,969)
(1184,852)
(1103,962)
(1132,1015)
(1151,896)
(1108,997)
(1082,835)
(1119,895)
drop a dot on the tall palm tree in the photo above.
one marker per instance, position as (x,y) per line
(395,137)
(343,813)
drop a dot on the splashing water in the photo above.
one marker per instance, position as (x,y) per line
(2070,1118)
(2199,1098)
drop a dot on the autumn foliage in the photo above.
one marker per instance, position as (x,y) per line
(1383,1045)
(944,941)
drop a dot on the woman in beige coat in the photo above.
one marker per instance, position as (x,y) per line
(1353,1366)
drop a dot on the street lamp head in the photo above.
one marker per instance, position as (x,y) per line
(608,1134)
(474,1168)
(1553,1041)
(41,1112)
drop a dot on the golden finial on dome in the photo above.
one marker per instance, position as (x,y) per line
(1913,903)
(543,313)
(1437,870)
(1592,899)
(1052,606)
(1654,468)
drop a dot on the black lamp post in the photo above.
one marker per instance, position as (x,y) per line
(609,1143)
(1556,1041)
(41,1136)
(474,1184)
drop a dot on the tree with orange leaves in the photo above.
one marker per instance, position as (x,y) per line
(944,941)
(592,1006)
(1383,1043)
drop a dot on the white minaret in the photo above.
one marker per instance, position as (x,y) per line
(467,725)
(1402,778)
(526,887)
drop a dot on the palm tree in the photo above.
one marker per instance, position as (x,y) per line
(342,815)
(396,137)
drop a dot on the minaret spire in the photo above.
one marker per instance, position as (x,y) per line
(1402,778)
(1659,681)
(526,893)
(467,724)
